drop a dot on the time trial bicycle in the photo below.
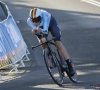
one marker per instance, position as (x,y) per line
(55,64)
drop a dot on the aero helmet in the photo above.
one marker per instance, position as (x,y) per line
(34,13)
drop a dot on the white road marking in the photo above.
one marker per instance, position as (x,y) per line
(93,2)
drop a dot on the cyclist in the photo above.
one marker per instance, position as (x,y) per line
(42,21)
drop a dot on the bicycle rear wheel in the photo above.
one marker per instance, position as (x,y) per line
(74,77)
(53,67)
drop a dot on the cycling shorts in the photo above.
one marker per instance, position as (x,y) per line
(54,29)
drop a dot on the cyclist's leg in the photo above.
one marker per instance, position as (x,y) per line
(59,45)
(43,40)
(55,31)
(62,50)
(65,55)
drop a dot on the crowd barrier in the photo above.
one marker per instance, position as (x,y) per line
(13,48)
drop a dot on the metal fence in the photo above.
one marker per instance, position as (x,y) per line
(13,48)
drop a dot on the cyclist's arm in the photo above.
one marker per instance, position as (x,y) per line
(45,26)
(46,20)
(30,23)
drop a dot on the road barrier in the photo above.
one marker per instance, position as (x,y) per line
(13,48)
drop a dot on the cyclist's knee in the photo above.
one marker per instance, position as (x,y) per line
(42,40)
(44,46)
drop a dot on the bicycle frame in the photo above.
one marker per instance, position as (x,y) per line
(48,42)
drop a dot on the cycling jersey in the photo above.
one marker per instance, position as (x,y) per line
(44,21)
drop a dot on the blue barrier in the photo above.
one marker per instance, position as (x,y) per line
(12,45)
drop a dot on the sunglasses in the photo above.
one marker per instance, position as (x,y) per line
(38,19)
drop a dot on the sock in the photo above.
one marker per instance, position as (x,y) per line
(68,61)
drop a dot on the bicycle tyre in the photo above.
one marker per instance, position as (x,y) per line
(74,77)
(58,81)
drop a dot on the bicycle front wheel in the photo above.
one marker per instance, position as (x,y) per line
(53,67)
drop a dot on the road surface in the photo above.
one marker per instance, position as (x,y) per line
(79,21)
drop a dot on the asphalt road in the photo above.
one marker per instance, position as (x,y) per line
(79,21)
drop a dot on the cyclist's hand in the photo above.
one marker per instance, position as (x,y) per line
(36,31)
(39,30)
(33,31)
